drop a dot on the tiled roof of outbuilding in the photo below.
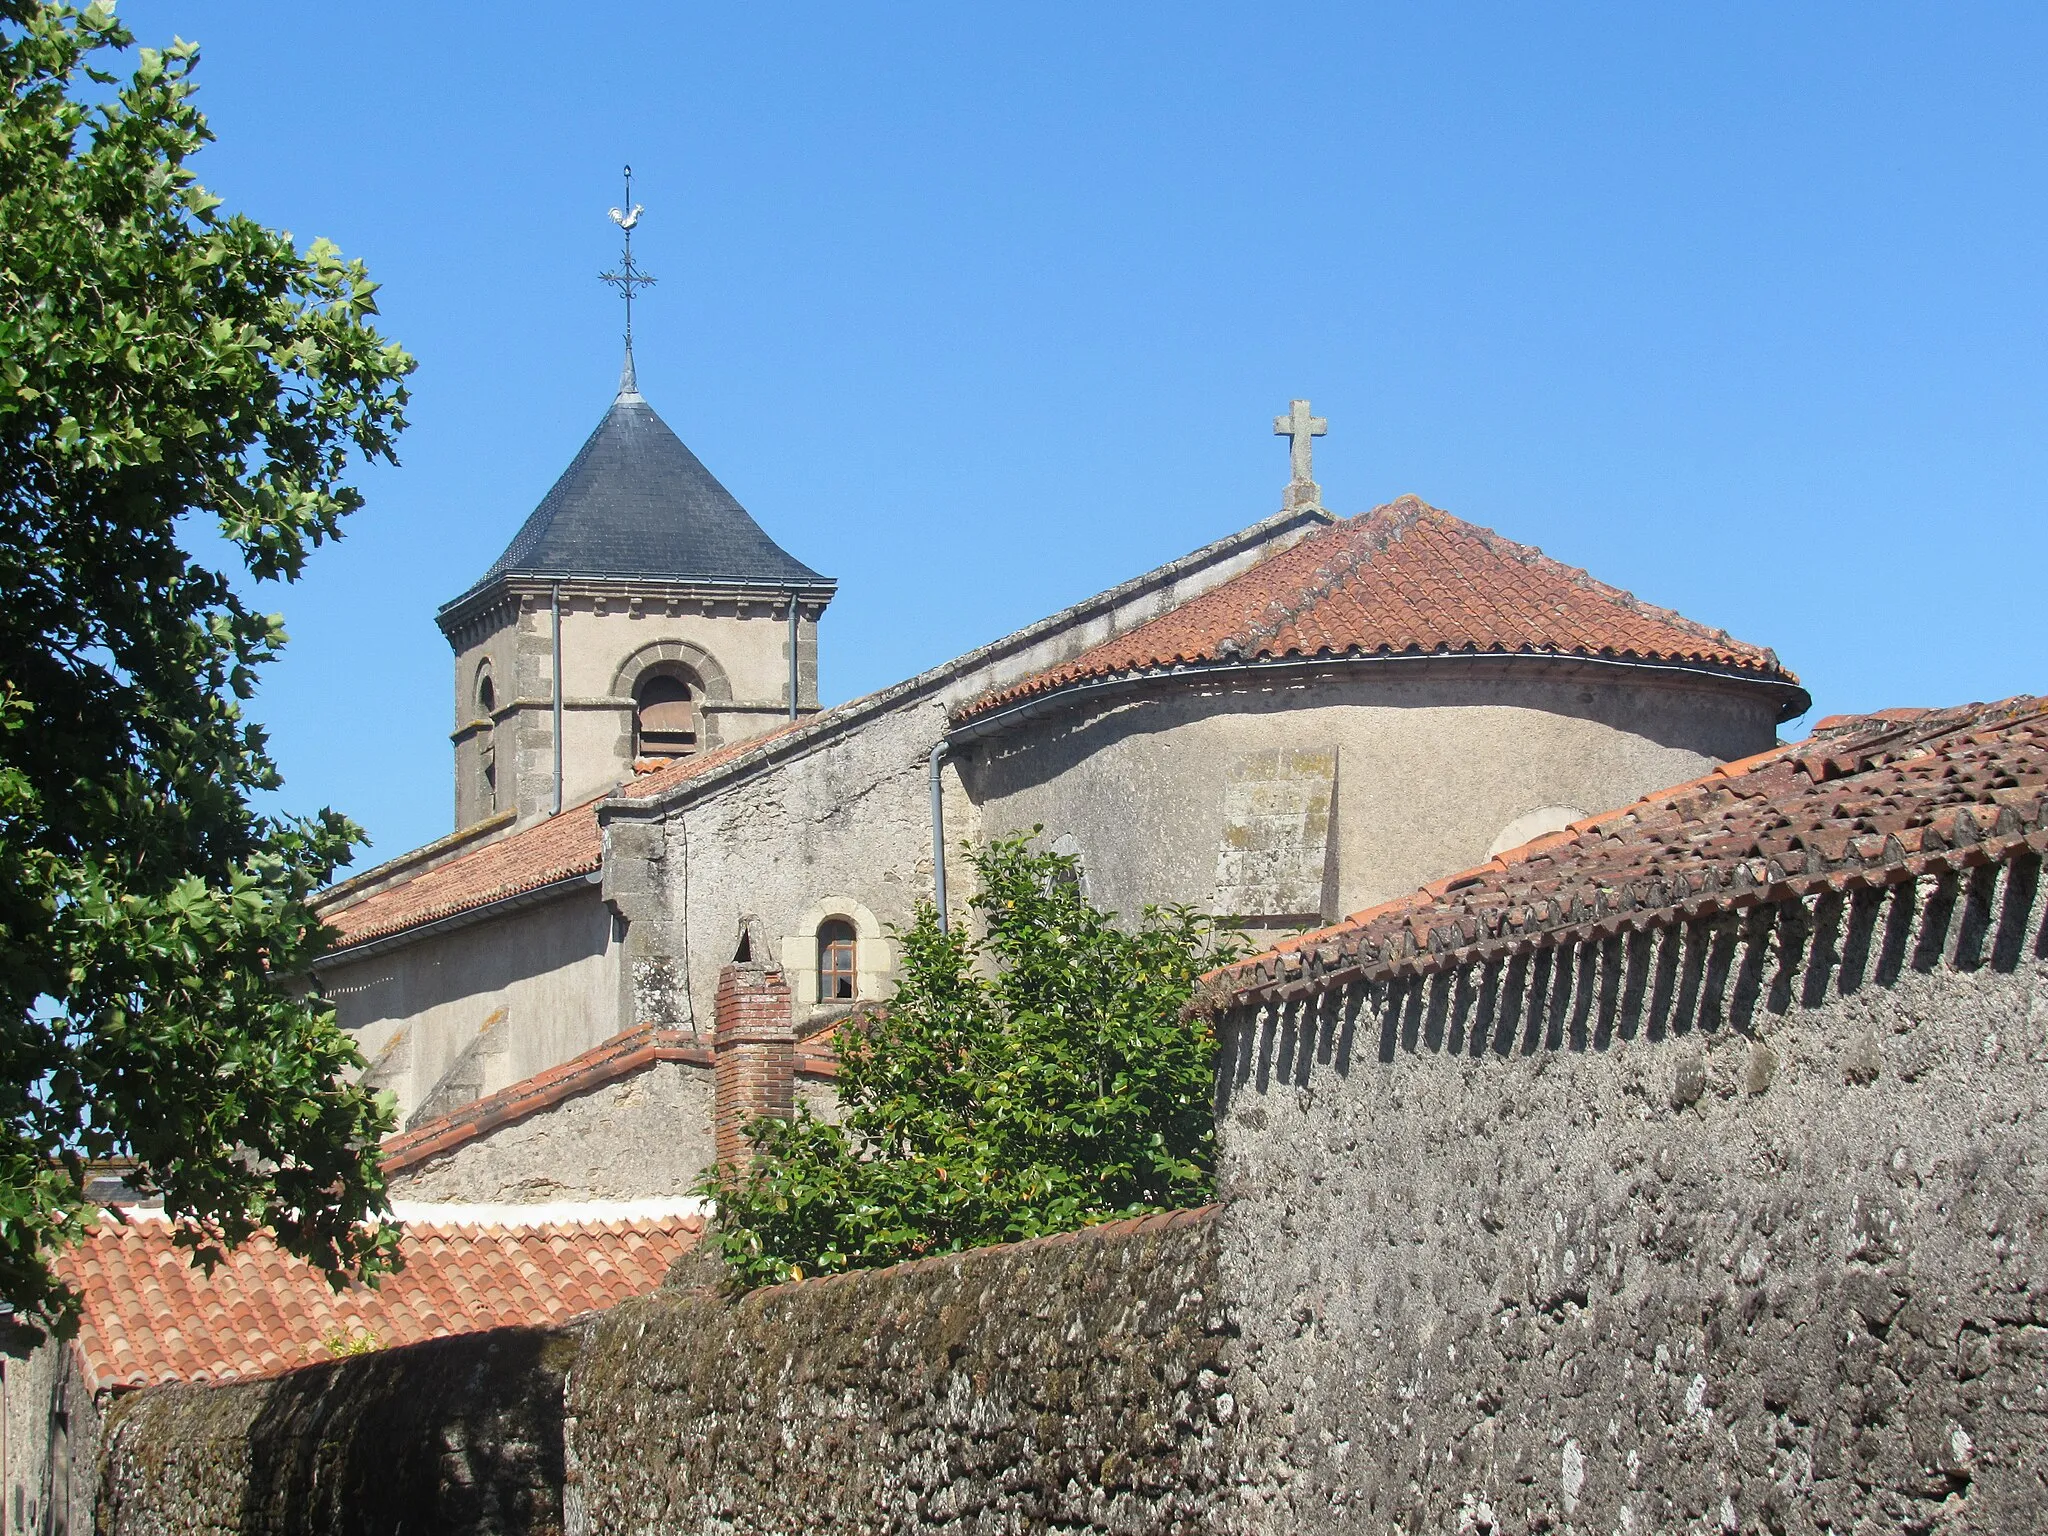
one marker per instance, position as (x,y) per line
(150,1317)
(636,503)
(1865,802)
(1404,580)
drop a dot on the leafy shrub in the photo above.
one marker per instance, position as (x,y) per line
(1035,1080)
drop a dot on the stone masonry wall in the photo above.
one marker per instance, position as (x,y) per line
(1069,1384)
(460,1437)
(52,1437)
(647,1134)
(1732,1228)
(1076,1382)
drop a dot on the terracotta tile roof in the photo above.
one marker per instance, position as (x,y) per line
(150,1317)
(1404,580)
(624,1054)
(1867,801)
(554,849)
(683,769)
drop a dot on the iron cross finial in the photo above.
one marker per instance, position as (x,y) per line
(627,277)
(1302,490)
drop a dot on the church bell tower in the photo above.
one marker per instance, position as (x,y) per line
(639,613)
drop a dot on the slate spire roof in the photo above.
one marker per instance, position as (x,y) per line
(636,503)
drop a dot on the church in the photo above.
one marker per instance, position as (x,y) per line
(673,873)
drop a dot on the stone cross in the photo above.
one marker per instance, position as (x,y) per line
(1302,490)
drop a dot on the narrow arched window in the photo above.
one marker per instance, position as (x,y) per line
(837,955)
(665,717)
(487,738)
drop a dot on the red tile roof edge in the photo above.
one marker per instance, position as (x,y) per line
(507,850)
(441,914)
(1957,838)
(1382,527)
(503,850)
(344,894)
(150,1318)
(625,1053)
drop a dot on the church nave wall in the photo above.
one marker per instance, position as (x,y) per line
(449,1018)
(849,820)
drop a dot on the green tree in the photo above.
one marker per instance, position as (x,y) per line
(1038,1079)
(161,361)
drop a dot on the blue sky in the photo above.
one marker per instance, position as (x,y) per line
(980,309)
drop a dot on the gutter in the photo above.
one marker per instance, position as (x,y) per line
(457,610)
(1076,695)
(938,758)
(555,604)
(384,943)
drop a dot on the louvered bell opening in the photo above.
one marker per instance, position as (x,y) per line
(667,718)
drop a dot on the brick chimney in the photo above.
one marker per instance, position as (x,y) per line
(754,1041)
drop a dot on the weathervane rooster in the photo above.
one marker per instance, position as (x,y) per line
(627,277)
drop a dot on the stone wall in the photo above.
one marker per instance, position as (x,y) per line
(847,823)
(647,1134)
(1076,1382)
(452,1016)
(49,1441)
(461,1437)
(1734,1227)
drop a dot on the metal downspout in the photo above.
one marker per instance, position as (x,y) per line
(938,833)
(792,656)
(555,606)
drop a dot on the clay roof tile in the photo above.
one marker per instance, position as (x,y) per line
(150,1318)
(1404,579)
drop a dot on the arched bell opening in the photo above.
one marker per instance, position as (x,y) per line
(666,714)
